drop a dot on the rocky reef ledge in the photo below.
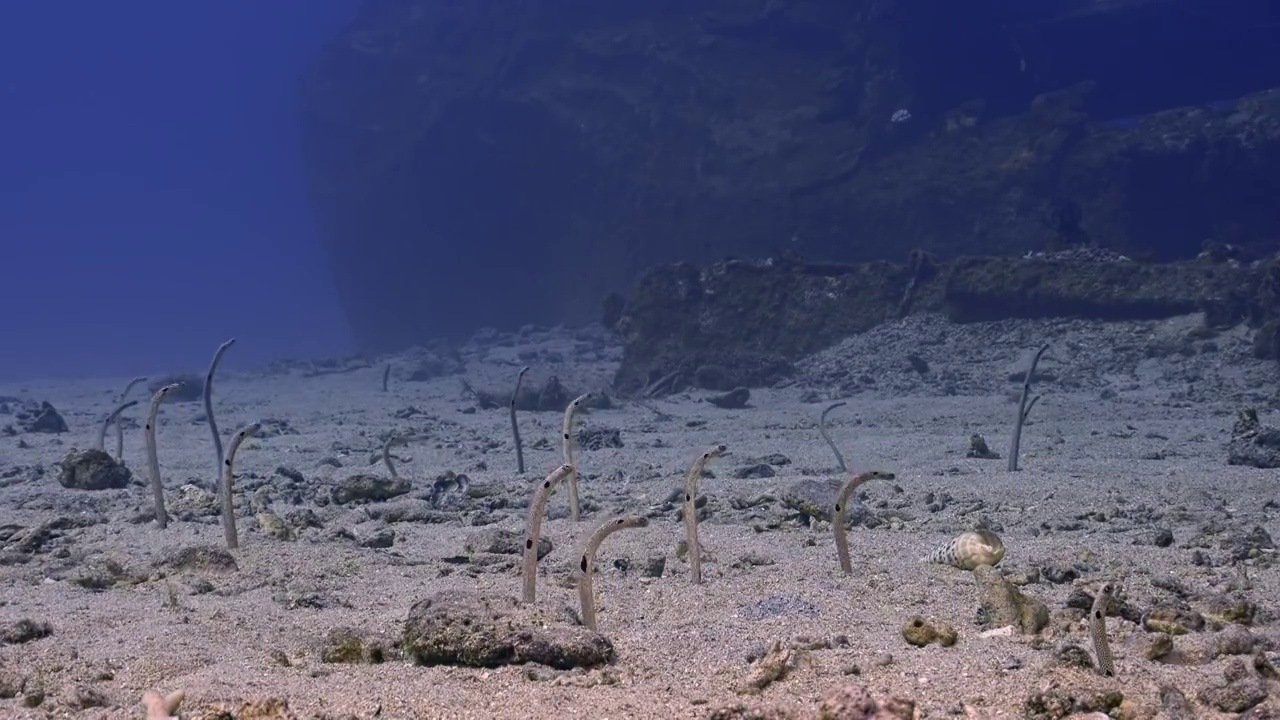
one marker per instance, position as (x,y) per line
(741,323)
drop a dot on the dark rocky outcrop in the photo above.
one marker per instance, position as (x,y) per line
(739,323)
(998,288)
(742,323)
(473,164)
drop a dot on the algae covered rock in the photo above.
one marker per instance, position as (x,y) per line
(921,632)
(347,645)
(92,470)
(1004,604)
(814,498)
(368,488)
(458,627)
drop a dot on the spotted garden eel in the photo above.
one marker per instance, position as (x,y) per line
(120,428)
(228,481)
(114,417)
(153,461)
(969,550)
(208,402)
(567,433)
(536,507)
(1098,630)
(586,561)
(515,427)
(691,512)
(822,429)
(841,515)
(392,439)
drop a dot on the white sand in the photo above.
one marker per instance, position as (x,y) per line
(681,650)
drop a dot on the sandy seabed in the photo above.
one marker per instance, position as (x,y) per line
(1128,440)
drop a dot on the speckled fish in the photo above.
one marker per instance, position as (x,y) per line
(969,550)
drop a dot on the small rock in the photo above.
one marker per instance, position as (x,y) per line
(303,518)
(1004,604)
(814,498)
(1231,608)
(921,632)
(1236,696)
(23,631)
(368,488)
(978,449)
(774,665)
(1174,704)
(382,537)
(1263,665)
(92,469)
(201,558)
(1061,702)
(193,502)
(1172,620)
(84,697)
(1058,573)
(598,438)
(11,684)
(1162,537)
(346,645)
(852,701)
(503,541)
(1233,640)
(1160,647)
(1252,443)
(759,470)
(42,419)
(468,628)
(653,567)
(1072,655)
(733,400)
(273,526)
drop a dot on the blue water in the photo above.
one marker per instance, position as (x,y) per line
(152,196)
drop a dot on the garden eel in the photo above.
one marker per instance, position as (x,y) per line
(228,478)
(536,508)
(515,428)
(586,561)
(1015,441)
(153,462)
(1098,630)
(841,514)
(691,512)
(208,401)
(822,428)
(112,418)
(568,453)
(392,439)
(120,428)
(969,550)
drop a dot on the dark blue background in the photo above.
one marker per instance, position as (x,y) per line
(152,192)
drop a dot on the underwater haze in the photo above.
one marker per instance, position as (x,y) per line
(152,195)
(640,359)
